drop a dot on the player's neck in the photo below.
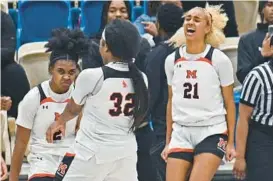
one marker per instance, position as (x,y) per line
(114,59)
(195,47)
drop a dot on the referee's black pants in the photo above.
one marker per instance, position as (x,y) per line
(259,155)
(145,168)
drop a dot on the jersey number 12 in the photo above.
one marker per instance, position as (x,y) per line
(191,91)
(127,110)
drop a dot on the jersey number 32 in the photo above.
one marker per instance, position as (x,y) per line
(118,98)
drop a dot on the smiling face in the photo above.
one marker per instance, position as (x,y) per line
(63,75)
(196,24)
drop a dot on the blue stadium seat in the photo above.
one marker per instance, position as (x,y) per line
(91,12)
(138,10)
(36,19)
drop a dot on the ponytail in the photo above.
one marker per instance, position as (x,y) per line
(141,96)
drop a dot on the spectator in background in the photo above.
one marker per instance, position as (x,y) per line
(113,10)
(231,28)
(121,10)
(251,46)
(169,20)
(14,83)
(146,23)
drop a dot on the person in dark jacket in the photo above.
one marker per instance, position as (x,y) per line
(169,20)
(112,10)
(14,82)
(251,44)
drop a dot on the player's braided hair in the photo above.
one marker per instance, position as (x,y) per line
(66,44)
(216,19)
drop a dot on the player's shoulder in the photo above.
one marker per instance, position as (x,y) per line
(33,96)
(219,57)
(171,57)
(91,74)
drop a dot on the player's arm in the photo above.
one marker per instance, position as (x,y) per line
(22,138)
(71,111)
(84,86)
(224,69)
(86,83)
(248,101)
(227,92)
(26,113)
(169,119)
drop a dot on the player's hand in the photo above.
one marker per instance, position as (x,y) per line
(164,153)
(6,103)
(239,168)
(150,28)
(4,170)
(230,152)
(57,127)
(267,49)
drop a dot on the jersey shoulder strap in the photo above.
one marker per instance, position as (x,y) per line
(112,73)
(209,54)
(177,55)
(42,93)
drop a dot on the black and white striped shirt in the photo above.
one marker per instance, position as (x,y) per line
(257,92)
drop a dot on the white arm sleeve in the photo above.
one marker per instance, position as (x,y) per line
(28,108)
(223,67)
(86,84)
(169,68)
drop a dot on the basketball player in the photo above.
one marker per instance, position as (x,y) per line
(114,99)
(200,110)
(43,104)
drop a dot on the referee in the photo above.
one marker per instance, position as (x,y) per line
(254,140)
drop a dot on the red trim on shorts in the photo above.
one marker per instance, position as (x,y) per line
(69,154)
(204,60)
(175,150)
(39,175)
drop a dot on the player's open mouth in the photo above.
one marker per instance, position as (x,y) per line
(190,31)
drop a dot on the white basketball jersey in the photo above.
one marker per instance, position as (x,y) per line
(48,109)
(197,98)
(108,113)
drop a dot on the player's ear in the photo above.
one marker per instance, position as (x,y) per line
(106,48)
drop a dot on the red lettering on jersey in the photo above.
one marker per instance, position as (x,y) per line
(57,116)
(62,168)
(124,84)
(191,74)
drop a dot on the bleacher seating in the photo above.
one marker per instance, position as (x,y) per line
(36,19)
(35,61)
(90,21)
(4,6)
